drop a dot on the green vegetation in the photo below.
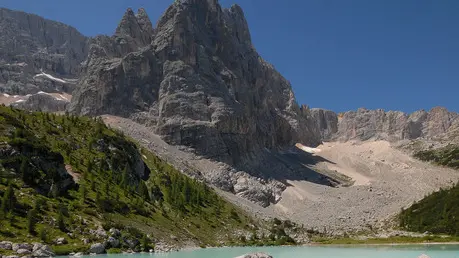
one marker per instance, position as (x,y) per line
(447,156)
(62,176)
(438,212)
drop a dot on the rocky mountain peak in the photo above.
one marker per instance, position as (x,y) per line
(144,21)
(134,31)
(200,84)
(127,24)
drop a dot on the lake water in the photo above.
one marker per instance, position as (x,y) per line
(411,251)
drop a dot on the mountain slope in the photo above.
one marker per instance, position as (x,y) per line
(85,176)
(437,212)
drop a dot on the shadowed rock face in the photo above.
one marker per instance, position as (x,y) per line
(365,124)
(30,44)
(197,79)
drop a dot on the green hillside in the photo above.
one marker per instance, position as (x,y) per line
(438,212)
(66,176)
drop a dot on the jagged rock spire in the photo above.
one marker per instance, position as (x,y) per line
(134,31)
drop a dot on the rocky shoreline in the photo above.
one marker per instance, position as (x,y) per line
(113,239)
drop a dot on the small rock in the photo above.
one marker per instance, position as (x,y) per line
(85,241)
(6,245)
(424,256)
(100,232)
(114,232)
(25,246)
(78,254)
(36,246)
(23,251)
(97,248)
(61,241)
(43,253)
(255,255)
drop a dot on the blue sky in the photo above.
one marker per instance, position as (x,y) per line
(338,54)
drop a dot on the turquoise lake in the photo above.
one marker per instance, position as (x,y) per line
(411,251)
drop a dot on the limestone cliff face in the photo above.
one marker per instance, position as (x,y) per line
(197,79)
(365,124)
(30,45)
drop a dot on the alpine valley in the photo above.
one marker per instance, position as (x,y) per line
(179,134)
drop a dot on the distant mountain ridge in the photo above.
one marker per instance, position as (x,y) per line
(363,124)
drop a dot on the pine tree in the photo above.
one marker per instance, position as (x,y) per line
(31,221)
(125,176)
(145,243)
(23,171)
(8,200)
(143,191)
(83,193)
(60,221)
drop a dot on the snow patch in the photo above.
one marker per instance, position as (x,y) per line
(307,149)
(6,95)
(19,101)
(42,74)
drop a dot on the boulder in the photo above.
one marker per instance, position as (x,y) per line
(25,246)
(97,248)
(100,233)
(23,251)
(113,242)
(40,250)
(255,255)
(6,245)
(36,246)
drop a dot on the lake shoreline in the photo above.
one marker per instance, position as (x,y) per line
(382,244)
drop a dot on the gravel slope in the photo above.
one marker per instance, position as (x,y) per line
(385,179)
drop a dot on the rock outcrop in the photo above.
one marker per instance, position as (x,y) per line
(31,46)
(43,102)
(326,122)
(97,248)
(198,83)
(256,255)
(365,124)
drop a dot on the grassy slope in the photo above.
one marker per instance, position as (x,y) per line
(175,209)
(438,212)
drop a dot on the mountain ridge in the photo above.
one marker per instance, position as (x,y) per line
(365,124)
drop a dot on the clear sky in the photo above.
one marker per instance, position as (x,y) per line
(338,54)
